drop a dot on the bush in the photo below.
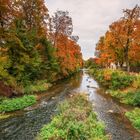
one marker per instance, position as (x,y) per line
(113,79)
(129,97)
(116,81)
(136,83)
(39,86)
(75,121)
(8,105)
(120,80)
(136,99)
(134,117)
(124,97)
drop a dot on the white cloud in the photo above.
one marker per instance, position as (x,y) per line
(91,18)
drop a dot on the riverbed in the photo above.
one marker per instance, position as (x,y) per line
(25,124)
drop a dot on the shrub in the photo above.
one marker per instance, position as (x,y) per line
(136,82)
(131,97)
(8,105)
(120,80)
(136,99)
(113,79)
(76,120)
(124,97)
(134,117)
(39,86)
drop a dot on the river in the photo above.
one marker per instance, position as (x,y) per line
(25,124)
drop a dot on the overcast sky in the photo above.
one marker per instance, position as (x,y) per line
(91,18)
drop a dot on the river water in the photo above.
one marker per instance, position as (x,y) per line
(24,125)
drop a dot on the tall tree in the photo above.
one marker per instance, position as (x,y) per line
(61,24)
(34,13)
(131,16)
(121,40)
(6,13)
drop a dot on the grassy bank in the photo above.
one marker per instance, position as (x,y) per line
(18,103)
(75,121)
(38,86)
(119,84)
(8,105)
(28,97)
(134,117)
(112,79)
(128,96)
(123,86)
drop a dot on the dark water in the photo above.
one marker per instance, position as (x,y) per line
(25,124)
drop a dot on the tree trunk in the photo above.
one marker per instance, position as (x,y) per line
(128,66)
(126,55)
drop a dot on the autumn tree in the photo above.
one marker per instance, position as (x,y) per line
(33,12)
(29,52)
(69,55)
(100,51)
(35,52)
(61,25)
(130,18)
(134,53)
(121,40)
(74,38)
(6,13)
(68,51)
(34,46)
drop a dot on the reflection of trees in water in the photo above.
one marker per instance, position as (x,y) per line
(76,80)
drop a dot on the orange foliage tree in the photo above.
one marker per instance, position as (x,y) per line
(69,55)
(68,51)
(120,44)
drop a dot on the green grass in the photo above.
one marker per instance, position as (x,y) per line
(9,105)
(75,121)
(39,86)
(134,117)
(130,97)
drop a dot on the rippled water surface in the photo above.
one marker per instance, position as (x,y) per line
(24,125)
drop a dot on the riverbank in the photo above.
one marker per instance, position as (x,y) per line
(134,117)
(76,120)
(123,86)
(30,97)
(9,105)
(28,122)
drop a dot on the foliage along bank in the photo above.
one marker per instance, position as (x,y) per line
(119,84)
(8,105)
(134,117)
(119,49)
(75,120)
(124,86)
(35,47)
